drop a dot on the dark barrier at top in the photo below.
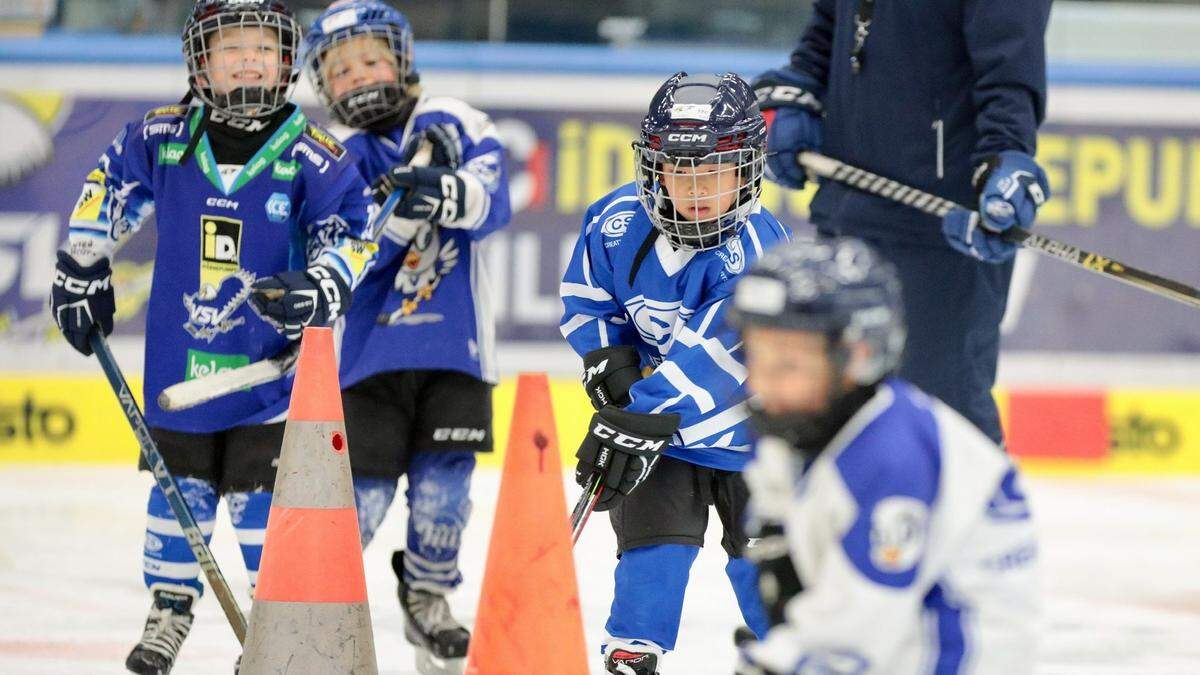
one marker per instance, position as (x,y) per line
(1129,192)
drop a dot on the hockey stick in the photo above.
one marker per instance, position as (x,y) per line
(827,167)
(586,504)
(191,393)
(191,530)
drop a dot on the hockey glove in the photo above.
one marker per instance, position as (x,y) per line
(293,300)
(445,144)
(433,194)
(608,373)
(1011,187)
(793,115)
(778,581)
(81,298)
(623,448)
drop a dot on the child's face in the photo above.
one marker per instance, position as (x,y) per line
(243,56)
(703,191)
(789,370)
(361,61)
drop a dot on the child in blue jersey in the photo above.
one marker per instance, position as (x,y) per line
(647,288)
(895,538)
(261,224)
(417,352)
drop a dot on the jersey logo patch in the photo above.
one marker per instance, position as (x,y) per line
(898,533)
(166,110)
(285,169)
(323,139)
(616,224)
(654,320)
(210,316)
(279,207)
(427,262)
(220,244)
(734,256)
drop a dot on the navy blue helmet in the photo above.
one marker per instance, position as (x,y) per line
(700,159)
(264,82)
(840,287)
(350,38)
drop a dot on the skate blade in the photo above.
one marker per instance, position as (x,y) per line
(428,664)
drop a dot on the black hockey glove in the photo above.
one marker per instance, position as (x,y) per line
(608,373)
(293,300)
(778,581)
(623,448)
(81,298)
(445,145)
(434,194)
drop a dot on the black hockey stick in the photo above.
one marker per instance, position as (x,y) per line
(187,522)
(827,167)
(586,504)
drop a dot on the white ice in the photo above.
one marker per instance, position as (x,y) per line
(1121,561)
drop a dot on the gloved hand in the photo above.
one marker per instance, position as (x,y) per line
(444,143)
(293,300)
(747,666)
(1011,187)
(81,298)
(623,448)
(793,115)
(778,581)
(434,194)
(608,373)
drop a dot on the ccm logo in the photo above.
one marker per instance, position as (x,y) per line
(329,288)
(623,440)
(459,434)
(687,138)
(593,371)
(79,286)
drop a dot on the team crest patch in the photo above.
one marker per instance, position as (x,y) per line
(323,139)
(898,529)
(616,224)
(210,315)
(427,262)
(734,256)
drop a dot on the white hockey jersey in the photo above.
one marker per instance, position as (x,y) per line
(914,543)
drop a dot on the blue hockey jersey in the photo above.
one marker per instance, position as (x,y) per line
(298,201)
(426,304)
(673,312)
(914,542)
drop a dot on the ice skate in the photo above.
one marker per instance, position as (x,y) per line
(441,641)
(166,628)
(631,657)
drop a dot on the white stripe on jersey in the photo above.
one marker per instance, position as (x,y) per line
(713,425)
(681,382)
(567,289)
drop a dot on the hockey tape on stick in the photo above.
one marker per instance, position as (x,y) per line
(187,522)
(832,169)
(191,393)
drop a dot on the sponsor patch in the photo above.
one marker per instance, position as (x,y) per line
(170,153)
(691,111)
(323,139)
(616,224)
(279,207)
(220,244)
(285,169)
(203,364)
(165,111)
(898,529)
(91,199)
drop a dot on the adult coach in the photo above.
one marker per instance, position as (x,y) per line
(946,96)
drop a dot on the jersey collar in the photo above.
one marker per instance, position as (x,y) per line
(269,152)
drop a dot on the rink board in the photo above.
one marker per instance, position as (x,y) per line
(74,419)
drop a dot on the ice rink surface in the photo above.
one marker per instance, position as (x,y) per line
(1121,568)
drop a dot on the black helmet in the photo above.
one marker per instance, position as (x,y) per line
(701,120)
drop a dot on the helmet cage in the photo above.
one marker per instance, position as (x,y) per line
(213,20)
(369,105)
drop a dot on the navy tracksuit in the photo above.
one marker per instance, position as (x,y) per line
(942,85)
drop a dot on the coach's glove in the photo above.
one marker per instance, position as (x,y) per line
(81,298)
(608,373)
(623,448)
(1011,187)
(793,115)
(293,300)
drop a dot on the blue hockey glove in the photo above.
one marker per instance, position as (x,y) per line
(1011,187)
(793,115)
(290,301)
(433,194)
(81,299)
(623,448)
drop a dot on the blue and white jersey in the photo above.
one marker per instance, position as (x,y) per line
(426,304)
(673,312)
(913,540)
(298,201)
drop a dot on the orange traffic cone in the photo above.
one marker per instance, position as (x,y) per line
(310,611)
(530,601)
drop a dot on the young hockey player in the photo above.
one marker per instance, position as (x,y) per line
(249,197)
(647,287)
(417,353)
(896,538)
